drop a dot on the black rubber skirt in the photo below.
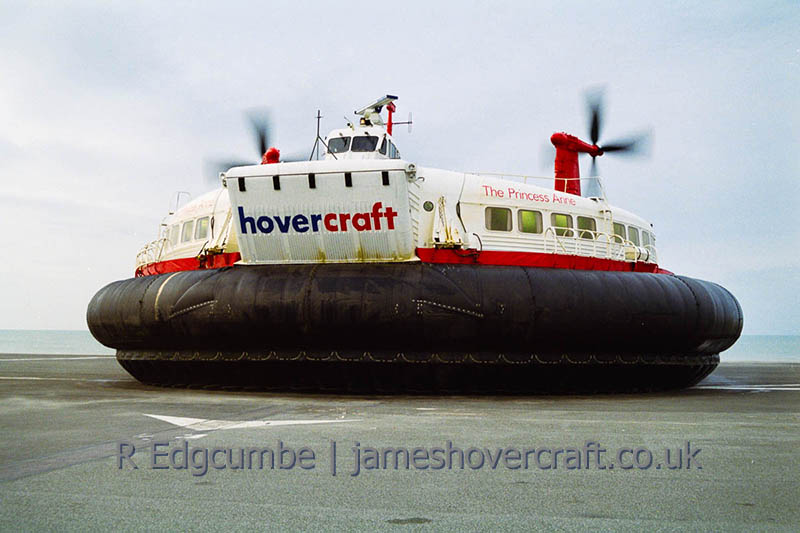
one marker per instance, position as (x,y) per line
(416,328)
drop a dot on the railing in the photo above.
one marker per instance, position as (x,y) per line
(151,252)
(591,243)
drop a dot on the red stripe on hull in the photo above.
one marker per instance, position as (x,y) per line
(533,259)
(432,255)
(188,263)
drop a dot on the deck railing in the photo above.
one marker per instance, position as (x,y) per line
(591,243)
(151,252)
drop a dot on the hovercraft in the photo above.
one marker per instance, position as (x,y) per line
(362,272)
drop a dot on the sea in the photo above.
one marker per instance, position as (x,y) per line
(749,348)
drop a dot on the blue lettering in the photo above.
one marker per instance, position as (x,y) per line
(243,220)
(264,220)
(300,223)
(285,226)
(315,220)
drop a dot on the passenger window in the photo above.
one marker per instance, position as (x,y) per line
(619,231)
(633,235)
(562,224)
(186,233)
(589,226)
(201,228)
(530,221)
(174,234)
(498,218)
(383,146)
(645,238)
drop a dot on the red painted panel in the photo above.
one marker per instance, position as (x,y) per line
(432,255)
(533,259)
(188,263)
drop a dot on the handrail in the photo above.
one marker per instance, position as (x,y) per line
(151,252)
(600,243)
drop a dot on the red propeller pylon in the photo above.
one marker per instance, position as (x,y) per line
(567,170)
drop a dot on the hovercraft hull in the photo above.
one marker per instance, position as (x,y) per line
(416,327)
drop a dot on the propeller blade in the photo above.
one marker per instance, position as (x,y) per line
(261,127)
(593,171)
(633,145)
(213,168)
(594,101)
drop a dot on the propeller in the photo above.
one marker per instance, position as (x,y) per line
(259,119)
(632,145)
(262,132)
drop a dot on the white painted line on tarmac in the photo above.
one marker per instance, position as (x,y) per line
(756,385)
(762,388)
(30,378)
(59,358)
(205,424)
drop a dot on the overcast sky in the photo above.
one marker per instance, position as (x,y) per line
(107,109)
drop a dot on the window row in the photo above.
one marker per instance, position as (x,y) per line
(528,221)
(365,143)
(191,230)
(647,238)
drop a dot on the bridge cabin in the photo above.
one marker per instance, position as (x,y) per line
(371,138)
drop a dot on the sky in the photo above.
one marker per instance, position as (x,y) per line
(107,109)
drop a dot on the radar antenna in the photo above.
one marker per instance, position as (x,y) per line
(371,115)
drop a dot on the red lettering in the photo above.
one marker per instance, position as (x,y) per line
(563,200)
(328,221)
(390,214)
(343,218)
(488,190)
(361,222)
(376,214)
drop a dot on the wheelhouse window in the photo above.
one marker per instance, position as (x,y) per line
(645,238)
(633,235)
(619,231)
(174,233)
(562,224)
(338,145)
(383,146)
(186,233)
(498,219)
(587,226)
(201,228)
(393,152)
(365,143)
(530,221)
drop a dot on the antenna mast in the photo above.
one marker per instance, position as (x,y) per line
(317,140)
